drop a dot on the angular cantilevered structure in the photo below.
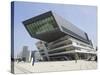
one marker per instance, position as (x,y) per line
(59,38)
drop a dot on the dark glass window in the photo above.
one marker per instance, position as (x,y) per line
(41,26)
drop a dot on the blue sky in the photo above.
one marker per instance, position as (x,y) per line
(84,17)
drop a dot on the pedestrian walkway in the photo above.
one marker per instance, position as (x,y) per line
(54,66)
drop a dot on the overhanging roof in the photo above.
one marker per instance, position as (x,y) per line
(58,32)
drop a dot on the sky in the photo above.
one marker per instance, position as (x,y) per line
(82,16)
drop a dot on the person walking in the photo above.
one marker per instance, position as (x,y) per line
(33,58)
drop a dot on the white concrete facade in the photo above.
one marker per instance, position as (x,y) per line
(65,45)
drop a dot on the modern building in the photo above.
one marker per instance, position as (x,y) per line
(27,55)
(60,39)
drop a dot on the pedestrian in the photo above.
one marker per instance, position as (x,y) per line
(33,58)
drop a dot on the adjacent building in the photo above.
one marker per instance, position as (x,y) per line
(60,39)
(27,55)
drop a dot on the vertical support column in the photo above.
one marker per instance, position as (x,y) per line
(46,53)
(76,57)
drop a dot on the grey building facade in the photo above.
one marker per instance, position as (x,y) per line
(60,39)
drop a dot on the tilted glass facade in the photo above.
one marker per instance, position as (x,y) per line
(44,25)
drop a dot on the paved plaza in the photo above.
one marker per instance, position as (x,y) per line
(22,67)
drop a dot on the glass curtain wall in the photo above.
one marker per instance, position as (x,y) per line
(44,25)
